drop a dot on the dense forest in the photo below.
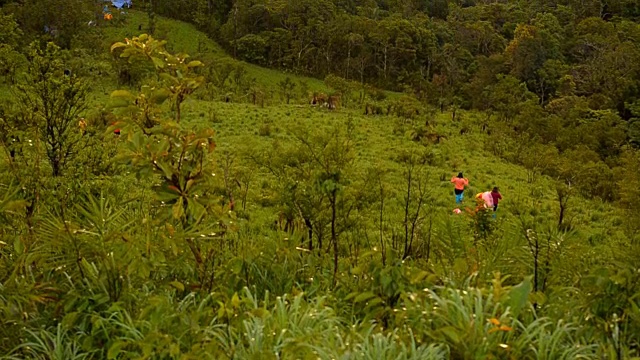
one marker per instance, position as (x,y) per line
(437,49)
(271,179)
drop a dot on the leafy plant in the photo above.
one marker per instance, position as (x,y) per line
(176,72)
(52,103)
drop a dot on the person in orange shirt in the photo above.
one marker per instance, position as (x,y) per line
(460,182)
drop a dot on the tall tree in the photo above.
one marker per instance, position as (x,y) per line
(533,45)
(52,98)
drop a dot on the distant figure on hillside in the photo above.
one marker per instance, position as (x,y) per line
(116,131)
(460,182)
(82,124)
(496,197)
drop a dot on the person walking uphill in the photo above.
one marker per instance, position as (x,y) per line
(495,194)
(460,182)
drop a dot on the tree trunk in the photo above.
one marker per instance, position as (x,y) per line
(382,247)
(429,238)
(406,215)
(563,201)
(235,31)
(152,18)
(334,238)
(535,268)
(309,226)
(178,103)
(348,62)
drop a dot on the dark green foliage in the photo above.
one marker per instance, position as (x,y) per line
(287,86)
(10,58)
(440,50)
(58,20)
(51,101)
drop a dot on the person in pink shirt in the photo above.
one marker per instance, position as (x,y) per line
(460,182)
(485,199)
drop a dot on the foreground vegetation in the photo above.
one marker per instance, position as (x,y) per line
(159,205)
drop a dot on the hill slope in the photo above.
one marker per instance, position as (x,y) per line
(183,37)
(381,139)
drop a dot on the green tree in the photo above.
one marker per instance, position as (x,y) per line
(533,45)
(10,59)
(507,96)
(548,78)
(354,42)
(297,194)
(343,87)
(453,65)
(177,73)
(287,88)
(634,123)
(179,157)
(484,77)
(10,33)
(628,182)
(537,159)
(332,154)
(60,20)
(52,103)
(251,48)
(414,201)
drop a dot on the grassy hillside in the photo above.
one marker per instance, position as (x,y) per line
(183,37)
(242,128)
(459,153)
(238,124)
